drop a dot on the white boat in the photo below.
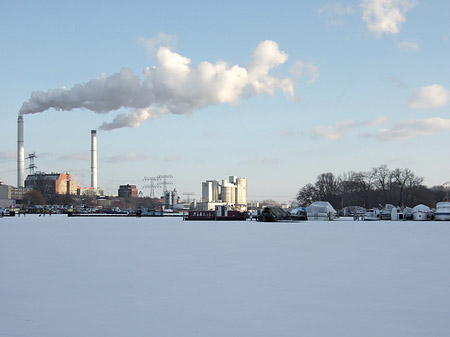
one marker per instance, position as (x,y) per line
(421,213)
(442,211)
(298,213)
(386,212)
(372,214)
(320,210)
(407,213)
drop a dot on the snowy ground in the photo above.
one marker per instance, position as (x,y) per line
(162,277)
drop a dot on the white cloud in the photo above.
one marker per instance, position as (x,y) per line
(297,69)
(408,45)
(8,156)
(82,156)
(334,11)
(432,96)
(152,44)
(126,157)
(285,132)
(376,121)
(314,71)
(385,16)
(336,8)
(339,129)
(333,132)
(171,158)
(395,81)
(261,161)
(415,128)
(267,56)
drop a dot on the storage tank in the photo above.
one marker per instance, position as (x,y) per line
(241,191)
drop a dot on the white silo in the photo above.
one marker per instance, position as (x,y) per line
(241,191)
(228,192)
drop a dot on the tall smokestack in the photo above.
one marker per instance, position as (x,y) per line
(93,158)
(20,153)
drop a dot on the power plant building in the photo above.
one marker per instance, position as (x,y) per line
(53,183)
(171,198)
(231,192)
(210,191)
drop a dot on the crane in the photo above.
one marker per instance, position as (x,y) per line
(188,196)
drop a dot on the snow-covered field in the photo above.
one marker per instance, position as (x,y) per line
(162,277)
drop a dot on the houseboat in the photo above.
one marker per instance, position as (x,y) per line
(442,211)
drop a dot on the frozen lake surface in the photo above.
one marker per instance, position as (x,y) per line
(162,277)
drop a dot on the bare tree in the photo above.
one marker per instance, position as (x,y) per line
(327,186)
(307,194)
(34,198)
(382,177)
(369,189)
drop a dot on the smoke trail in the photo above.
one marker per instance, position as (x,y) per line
(173,86)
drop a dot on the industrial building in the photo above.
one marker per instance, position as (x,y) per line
(6,199)
(171,199)
(128,191)
(210,191)
(53,183)
(232,192)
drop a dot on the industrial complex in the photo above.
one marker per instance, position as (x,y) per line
(231,192)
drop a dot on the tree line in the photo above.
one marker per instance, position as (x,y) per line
(379,186)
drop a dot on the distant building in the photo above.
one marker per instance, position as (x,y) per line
(18,193)
(10,195)
(171,198)
(231,192)
(241,191)
(53,183)
(228,192)
(90,191)
(208,206)
(5,195)
(128,191)
(210,191)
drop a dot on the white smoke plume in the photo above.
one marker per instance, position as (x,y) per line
(132,120)
(174,86)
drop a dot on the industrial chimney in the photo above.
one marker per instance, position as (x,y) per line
(94,159)
(20,153)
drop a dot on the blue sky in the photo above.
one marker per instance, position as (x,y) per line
(303,88)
